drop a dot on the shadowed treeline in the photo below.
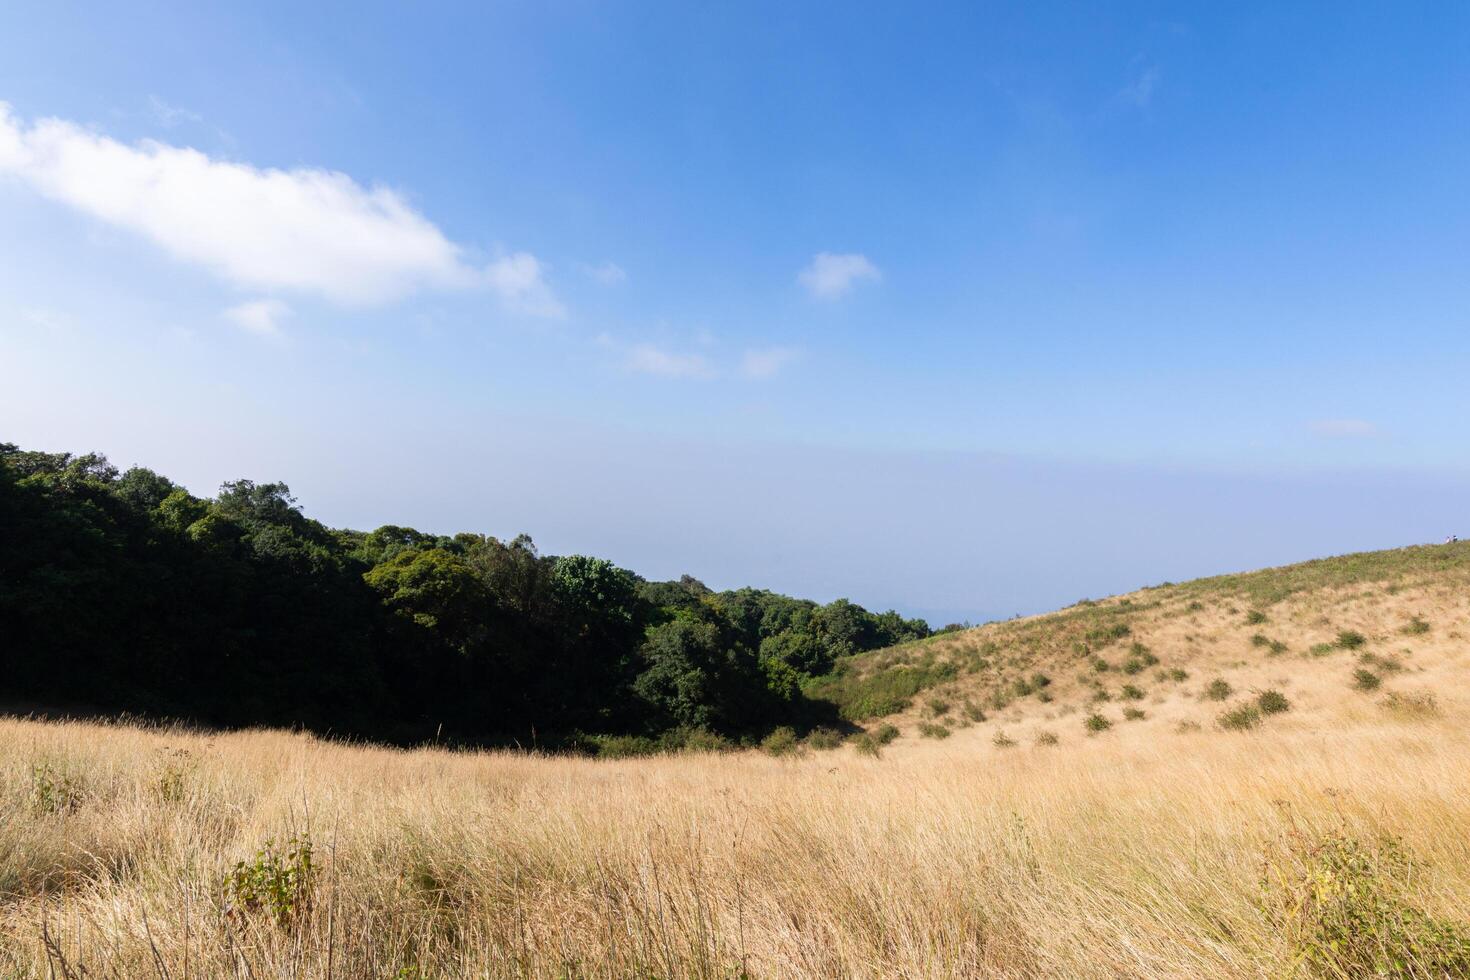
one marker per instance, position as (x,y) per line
(124,592)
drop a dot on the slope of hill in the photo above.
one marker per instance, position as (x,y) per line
(1330,839)
(1335,637)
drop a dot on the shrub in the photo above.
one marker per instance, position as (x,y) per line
(1416,627)
(1185,727)
(1132,693)
(1133,714)
(885,733)
(1389,664)
(277,881)
(624,746)
(865,744)
(1255,616)
(1100,665)
(1350,640)
(1096,723)
(1104,635)
(1419,704)
(1241,718)
(1195,606)
(1047,738)
(1260,640)
(1322,649)
(823,739)
(1039,681)
(938,706)
(972,710)
(781,742)
(1178,674)
(1366,680)
(1272,702)
(700,740)
(1219,689)
(1003,741)
(930,730)
(880,693)
(1342,906)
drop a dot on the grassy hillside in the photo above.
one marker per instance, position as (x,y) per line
(1310,631)
(1328,836)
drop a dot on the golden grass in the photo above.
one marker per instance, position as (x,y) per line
(1139,852)
(1120,855)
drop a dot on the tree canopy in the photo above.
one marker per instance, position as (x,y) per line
(124,592)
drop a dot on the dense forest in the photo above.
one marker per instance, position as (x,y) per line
(123,592)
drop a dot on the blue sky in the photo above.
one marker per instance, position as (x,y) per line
(968,309)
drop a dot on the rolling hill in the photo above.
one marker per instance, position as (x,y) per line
(1339,638)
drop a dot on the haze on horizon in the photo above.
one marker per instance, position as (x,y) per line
(970,311)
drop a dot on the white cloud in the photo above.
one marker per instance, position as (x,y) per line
(765,363)
(606,273)
(831,276)
(261,316)
(648,359)
(307,230)
(1345,428)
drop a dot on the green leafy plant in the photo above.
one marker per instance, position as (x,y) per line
(1096,724)
(1255,616)
(1134,714)
(54,791)
(931,730)
(1342,905)
(1131,693)
(1219,689)
(277,881)
(1350,639)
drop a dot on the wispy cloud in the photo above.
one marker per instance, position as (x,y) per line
(767,362)
(170,116)
(520,282)
(1345,429)
(649,359)
(606,273)
(831,276)
(305,230)
(1139,92)
(261,317)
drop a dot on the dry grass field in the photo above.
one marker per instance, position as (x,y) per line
(1331,838)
